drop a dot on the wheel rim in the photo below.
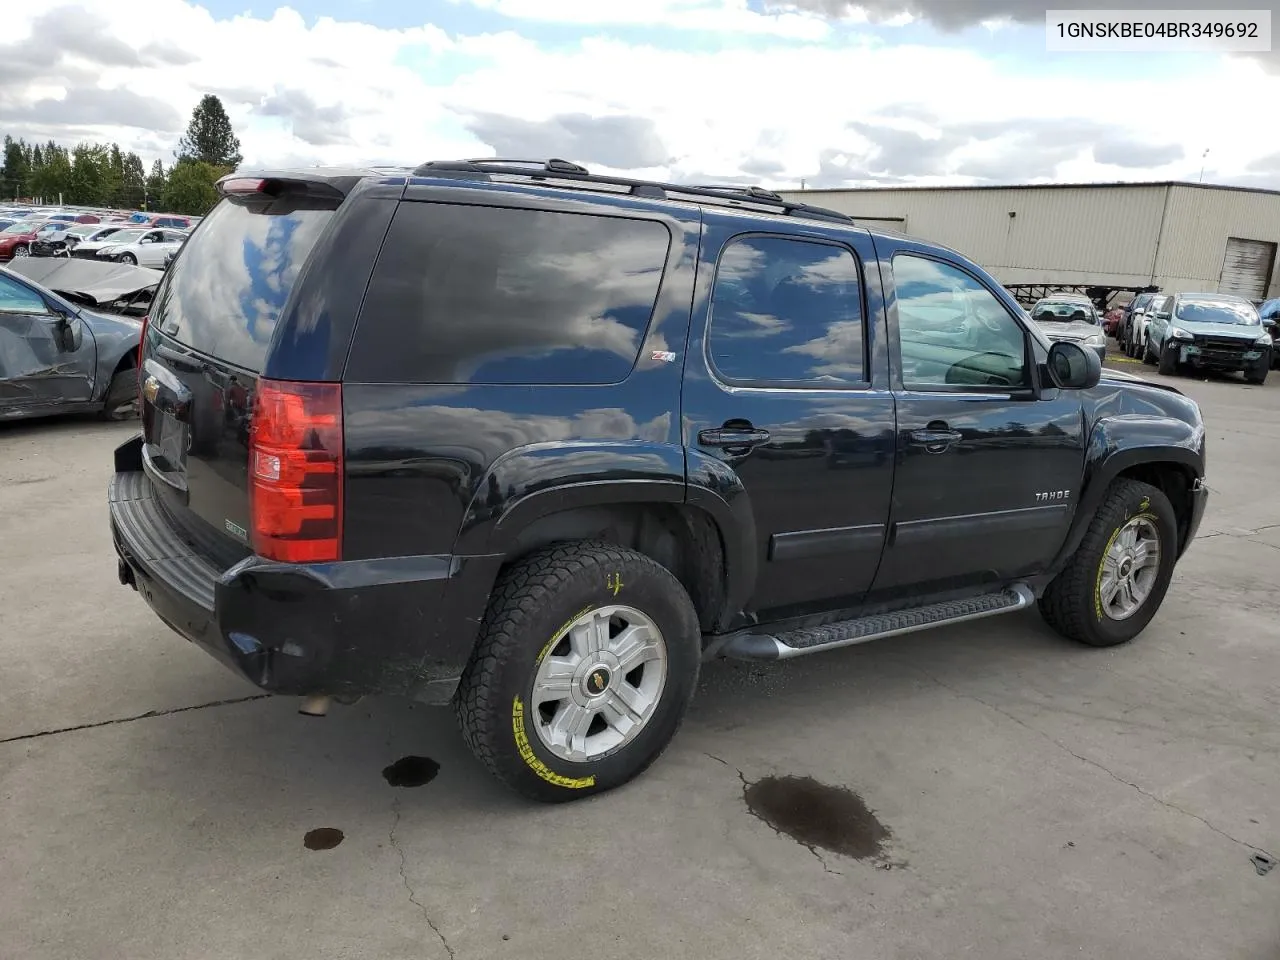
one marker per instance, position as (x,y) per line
(1130,568)
(20,252)
(599,683)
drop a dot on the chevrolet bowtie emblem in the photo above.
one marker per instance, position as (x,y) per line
(150,388)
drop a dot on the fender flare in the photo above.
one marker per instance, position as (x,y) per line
(1119,443)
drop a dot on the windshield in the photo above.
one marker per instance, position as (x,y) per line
(127,236)
(18,227)
(1217,311)
(83,230)
(1064,311)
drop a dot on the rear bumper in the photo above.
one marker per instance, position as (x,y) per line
(403,625)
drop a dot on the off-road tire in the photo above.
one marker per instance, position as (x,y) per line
(533,603)
(1071,604)
(1168,361)
(122,395)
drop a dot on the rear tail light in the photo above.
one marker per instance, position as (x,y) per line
(142,353)
(295,471)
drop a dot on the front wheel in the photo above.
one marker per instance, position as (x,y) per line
(1258,375)
(1115,582)
(128,258)
(21,250)
(1169,361)
(587,659)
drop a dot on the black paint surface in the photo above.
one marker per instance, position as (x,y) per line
(322,838)
(411,772)
(817,815)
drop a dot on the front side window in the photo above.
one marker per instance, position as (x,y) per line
(15,298)
(787,312)
(470,294)
(953,331)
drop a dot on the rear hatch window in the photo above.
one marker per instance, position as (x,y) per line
(225,293)
(209,332)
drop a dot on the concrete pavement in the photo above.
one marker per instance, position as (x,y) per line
(1043,800)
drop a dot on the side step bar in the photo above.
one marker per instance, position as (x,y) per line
(845,633)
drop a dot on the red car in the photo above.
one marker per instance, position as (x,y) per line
(1111,319)
(15,241)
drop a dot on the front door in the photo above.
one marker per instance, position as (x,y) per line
(786,384)
(988,473)
(36,369)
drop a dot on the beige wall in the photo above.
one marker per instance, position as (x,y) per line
(1197,226)
(1091,234)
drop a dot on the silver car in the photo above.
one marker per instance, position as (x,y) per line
(1069,317)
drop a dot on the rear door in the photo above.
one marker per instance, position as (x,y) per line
(207,340)
(787,385)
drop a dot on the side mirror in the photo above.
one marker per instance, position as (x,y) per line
(69,334)
(1163,315)
(1269,323)
(1072,367)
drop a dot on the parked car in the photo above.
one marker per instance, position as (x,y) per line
(1269,311)
(61,244)
(1111,320)
(596,510)
(1071,317)
(16,240)
(57,357)
(148,249)
(1124,330)
(1209,331)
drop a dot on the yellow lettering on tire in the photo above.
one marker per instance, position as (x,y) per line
(531,759)
(555,637)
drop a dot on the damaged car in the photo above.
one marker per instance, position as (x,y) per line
(59,352)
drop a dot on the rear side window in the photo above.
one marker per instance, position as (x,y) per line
(467,294)
(787,312)
(223,296)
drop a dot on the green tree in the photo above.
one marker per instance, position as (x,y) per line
(190,188)
(155,185)
(133,182)
(209,137)
(51,177)
(91,178)
(15,180)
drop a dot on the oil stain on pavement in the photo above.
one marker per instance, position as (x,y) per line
(322,838)
(817,816)
(411,772)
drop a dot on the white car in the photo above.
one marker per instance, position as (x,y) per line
(146,248)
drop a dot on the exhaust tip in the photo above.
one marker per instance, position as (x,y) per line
(316,706)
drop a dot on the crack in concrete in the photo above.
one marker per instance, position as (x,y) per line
(140,716)
(746,783)
(1094,763)
(404,877)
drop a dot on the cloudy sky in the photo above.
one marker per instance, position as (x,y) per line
(767,91)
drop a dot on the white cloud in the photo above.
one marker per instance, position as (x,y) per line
(719,16)
(344,92)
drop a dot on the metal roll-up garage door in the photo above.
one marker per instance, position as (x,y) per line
(1247,268)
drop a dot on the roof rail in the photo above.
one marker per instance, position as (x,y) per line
(570,175)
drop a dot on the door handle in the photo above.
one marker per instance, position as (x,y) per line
(729,437)
(936,438)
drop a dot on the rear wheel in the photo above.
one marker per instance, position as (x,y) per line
(1114,584)
(587,659)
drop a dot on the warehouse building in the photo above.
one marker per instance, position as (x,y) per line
(1109,239)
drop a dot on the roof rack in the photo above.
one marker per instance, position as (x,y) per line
(564,173)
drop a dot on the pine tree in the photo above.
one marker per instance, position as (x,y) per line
(209,137)
(155,185)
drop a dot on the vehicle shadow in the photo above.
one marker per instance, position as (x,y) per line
(63,423)
(286,762)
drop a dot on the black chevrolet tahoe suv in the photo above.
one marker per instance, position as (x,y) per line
(537,443)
